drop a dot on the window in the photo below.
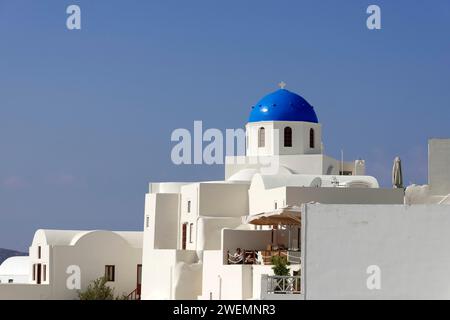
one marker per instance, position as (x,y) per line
(34,272)
(44,272)
(110,273)
(261,137)
(191,230)
(276,205)
(147,221)
(10,280)
(39,252)
(311,139)
(184,236)
(288,137)
(189,206)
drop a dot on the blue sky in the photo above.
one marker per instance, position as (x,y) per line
(86,116)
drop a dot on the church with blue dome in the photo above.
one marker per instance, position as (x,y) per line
(283,123)
(283,127)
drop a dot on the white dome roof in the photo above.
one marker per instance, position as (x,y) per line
(19,265)
(71,237)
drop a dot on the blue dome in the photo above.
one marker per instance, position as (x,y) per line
(283,105)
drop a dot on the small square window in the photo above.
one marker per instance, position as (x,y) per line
(10,280)
(110,271)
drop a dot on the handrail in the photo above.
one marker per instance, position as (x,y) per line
(232,259)
(263,256)
(134,295)
(283,284)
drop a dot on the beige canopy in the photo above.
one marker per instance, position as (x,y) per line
(285,216)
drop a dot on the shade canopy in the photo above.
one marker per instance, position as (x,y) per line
(290,215)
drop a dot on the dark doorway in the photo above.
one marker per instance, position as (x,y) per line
(139,280)
(39,273)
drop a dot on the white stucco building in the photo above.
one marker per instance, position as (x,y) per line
(192,231)
(343,235)
(15,270)
(62,262)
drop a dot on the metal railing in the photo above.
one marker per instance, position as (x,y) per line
(283,285)
(134,295)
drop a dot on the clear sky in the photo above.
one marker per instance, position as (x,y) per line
(86,116)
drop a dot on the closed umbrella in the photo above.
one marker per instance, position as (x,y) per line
(397,176)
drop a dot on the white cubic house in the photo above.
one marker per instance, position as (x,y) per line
(62,262)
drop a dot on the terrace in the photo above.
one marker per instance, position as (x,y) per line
(281,237)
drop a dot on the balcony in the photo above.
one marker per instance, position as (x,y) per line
(280,288)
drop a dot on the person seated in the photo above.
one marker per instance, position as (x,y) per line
(237,257)
(250,257)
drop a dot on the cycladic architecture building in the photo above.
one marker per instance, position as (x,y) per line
(341,233)
(333,223)
(63,262)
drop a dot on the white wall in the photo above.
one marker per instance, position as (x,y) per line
(25,292)
(274,140)
(225,201)
(189,193)
(163,277)
(225,282)
(439,166)
(209,231)
(300,164)
(264,200)
(410,244)
(4,278)
(44,260)
(161,210)
(166,187)
(299,195)
(92,253)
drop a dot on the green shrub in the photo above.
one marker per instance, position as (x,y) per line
(280,266)
(97,290)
